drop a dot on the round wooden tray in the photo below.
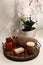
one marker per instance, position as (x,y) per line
(12,56)
(24,56)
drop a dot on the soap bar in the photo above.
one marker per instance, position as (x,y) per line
(30,44)
(19,50)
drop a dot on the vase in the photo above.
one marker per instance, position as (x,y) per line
(31,33)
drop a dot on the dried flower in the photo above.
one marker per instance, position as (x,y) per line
(23,9)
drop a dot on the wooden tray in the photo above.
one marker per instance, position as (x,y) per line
(24,56)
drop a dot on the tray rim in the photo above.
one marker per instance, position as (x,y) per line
(3,46)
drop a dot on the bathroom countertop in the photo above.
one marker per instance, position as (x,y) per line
(37,61)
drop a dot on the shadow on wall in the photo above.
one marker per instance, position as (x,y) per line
(16,22)
(7,15)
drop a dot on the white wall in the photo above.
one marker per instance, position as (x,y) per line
(40,21)
(7,15)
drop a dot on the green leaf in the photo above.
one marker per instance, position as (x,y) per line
(32,23)
(28,23)
(23,19)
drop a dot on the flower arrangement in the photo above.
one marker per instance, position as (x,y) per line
(25,8)
(28,24)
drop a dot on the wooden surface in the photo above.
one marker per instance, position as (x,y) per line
(21,57)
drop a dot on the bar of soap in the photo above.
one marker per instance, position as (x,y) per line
(30,44)
(19,50)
